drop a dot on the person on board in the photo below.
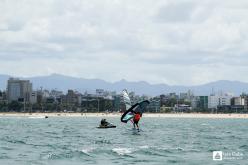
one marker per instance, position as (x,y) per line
(136,119)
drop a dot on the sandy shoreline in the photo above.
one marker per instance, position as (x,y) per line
(160,115)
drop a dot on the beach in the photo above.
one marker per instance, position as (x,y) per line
(158,115)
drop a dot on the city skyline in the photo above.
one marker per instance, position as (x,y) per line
(63,83)
(176,43)
(20,97)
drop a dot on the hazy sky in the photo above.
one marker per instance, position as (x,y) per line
(158,41)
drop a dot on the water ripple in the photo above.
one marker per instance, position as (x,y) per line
(76,141)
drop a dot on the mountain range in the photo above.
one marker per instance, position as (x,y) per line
(62,82)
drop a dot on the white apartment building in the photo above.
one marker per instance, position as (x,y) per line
(218,100)
(238,101)
(33,98)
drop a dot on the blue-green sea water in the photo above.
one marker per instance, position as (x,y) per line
(77,141)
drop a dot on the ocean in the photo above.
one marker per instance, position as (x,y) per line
(77,141)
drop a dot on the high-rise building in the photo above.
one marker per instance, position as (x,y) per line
(72,98)
(33,97)
(19,90)
(203,100)
(219,100)
(238,101)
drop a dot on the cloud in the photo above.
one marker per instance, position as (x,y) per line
(176,12)
(161,41)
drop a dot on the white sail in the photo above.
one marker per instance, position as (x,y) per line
(126,98)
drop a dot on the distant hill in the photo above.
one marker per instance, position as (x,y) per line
(61,82)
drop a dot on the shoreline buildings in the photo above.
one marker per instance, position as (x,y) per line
(43,100)
(19,90)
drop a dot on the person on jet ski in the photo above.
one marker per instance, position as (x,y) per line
(104,122)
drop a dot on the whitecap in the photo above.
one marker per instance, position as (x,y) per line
(122,151)
(87,150)
(179,149)
(144,147)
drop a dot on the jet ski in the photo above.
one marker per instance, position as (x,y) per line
(110,125)
(105,124)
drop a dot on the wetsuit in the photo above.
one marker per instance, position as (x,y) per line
(136,119)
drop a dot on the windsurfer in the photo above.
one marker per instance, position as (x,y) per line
(136,119)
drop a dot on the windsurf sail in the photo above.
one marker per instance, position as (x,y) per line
(126,99)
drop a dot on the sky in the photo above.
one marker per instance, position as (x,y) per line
(177,42)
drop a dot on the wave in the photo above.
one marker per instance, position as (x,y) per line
(152,153)
(103,142)
(3,156)
(7,148)
(123,151)
(144,147)
(179,149)
(147,150)
(167,150)
(205,124)
(16,141)
(244,146)
(88,151)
